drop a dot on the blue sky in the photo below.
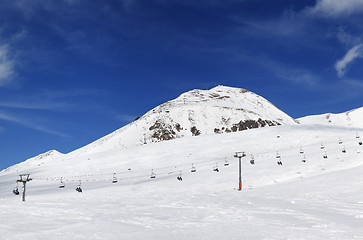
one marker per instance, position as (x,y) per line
(72,71)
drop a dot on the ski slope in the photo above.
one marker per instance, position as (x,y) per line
(352,118)
(321,198)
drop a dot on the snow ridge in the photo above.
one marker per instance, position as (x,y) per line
(197,112)
(352,118)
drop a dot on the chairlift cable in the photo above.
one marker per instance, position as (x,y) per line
(259,155)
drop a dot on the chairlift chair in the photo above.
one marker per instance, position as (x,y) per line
(215,168)
(79,189)
(16,190)
(322,146)
(114,179)
(301,151)
(340,141)
(62,185)
(226,163)
(252,161)
(193,169)
(180,176)
(279,162)
(360,142)
(357,135)
(304,159)
(153,175)
(343,150)
(325,156)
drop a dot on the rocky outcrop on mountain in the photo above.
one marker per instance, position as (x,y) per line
(218,110)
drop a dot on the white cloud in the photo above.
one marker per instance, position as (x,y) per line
(356,84)
(124,117)
(335,8)
(6,66)
(348,39)
(25,121)
(52,100)
(299,76)
(350,56)
(29,9)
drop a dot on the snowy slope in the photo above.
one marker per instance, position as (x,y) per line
(198,112)
(309,196)
(352,118)
(37,161)
(320,198)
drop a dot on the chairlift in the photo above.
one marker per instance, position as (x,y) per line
(226,163)
(16,190)
(340,141)
(279,162)
(180,177)
(325,156)
(62,185)
(252,161)
(215,168)
(360,142)
(153,175)
(304,159)
(321,146)
(301,151)
(79,189)
(357,135)
(343,150)
(114,179)
(193,169)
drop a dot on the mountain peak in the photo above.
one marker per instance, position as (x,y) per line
(213,93)
(222,88)
(218,110)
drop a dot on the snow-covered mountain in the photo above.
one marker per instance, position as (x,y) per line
(198,112)
(352,118)
(218,110)
(300,181)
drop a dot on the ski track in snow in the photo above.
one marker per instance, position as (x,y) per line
(319,199)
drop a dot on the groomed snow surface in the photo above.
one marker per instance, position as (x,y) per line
(321,198)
